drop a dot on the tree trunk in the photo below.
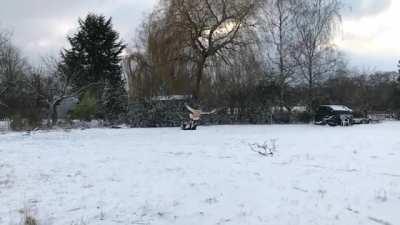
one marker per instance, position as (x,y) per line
(282,81)
(54,113)
(310,95)
(282,97)
(49,123)
(199,77)
(310,85)
(281,57)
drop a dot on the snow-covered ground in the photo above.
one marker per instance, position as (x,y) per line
(319,175)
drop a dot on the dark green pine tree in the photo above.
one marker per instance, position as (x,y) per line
(114,101)
(95,58)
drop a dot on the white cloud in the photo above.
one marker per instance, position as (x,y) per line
(374,37)
(370,32)
(40,27)
(361,8)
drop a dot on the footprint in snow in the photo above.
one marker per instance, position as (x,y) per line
(211,200)
(379,221)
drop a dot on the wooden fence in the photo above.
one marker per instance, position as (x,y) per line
(5,125)
(381,116)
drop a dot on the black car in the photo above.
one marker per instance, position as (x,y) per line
(334,115)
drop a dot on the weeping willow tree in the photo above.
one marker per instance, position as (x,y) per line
(179,40)
(211,29)
(159,63)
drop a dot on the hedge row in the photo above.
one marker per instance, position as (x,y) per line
(173,113)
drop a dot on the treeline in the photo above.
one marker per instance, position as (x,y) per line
(88,73)
(252,55)
(248,56)
(21,86)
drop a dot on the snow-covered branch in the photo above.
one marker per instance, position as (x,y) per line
(268,148)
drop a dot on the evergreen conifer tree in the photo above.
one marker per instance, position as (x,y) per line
(95,57)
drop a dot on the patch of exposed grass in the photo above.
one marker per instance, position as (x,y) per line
(28,218)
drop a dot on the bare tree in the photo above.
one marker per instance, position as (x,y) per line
(4,37)
(59,88)
(2,92)
(211,28)
(243,73)
(12,68)
(277,22)
(315,24)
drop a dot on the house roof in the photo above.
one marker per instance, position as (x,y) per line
(171,97)
(339,108)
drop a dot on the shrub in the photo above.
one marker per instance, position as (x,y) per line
(304,117)
(157,114)
(19,123)
(114,103)
(281,117)
(86,109)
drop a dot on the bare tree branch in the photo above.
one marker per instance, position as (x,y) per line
(216,30)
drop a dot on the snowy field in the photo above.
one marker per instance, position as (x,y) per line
(319,175)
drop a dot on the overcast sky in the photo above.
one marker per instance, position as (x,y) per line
(370,34)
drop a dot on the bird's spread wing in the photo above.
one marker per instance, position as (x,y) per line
(190,109)
(194,111)
(208,113)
